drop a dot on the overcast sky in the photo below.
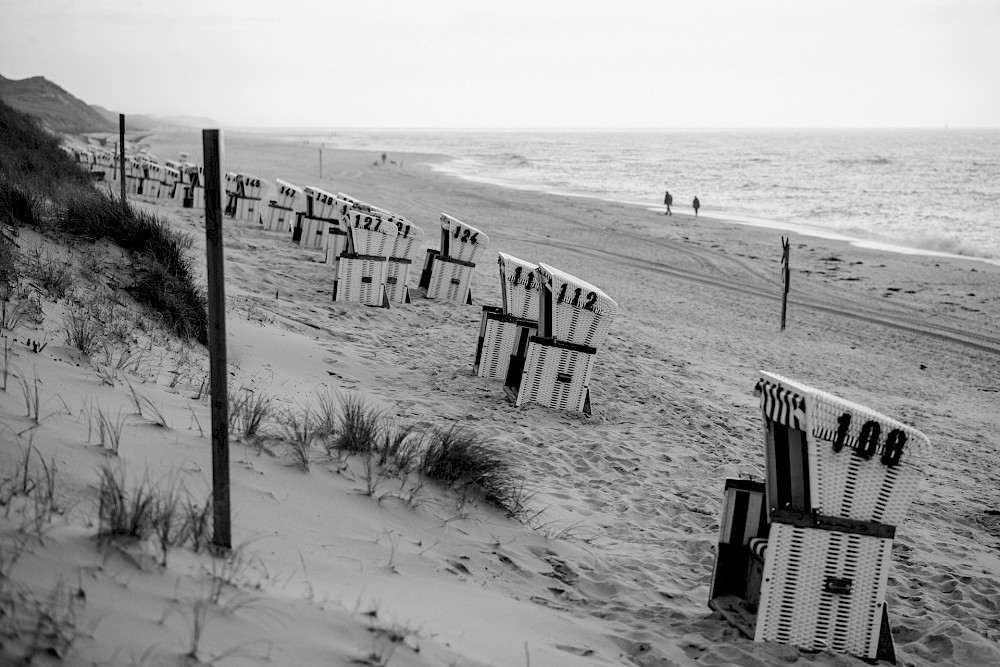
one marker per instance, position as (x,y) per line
(520,63)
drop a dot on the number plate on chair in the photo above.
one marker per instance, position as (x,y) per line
(837,586)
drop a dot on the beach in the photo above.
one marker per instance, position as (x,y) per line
(614,566)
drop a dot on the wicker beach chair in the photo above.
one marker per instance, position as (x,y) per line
(311,225)
(194,186)
(281,210)
(152,181)
(171,177)
(498,326)
(840,478)
(243,196)
(554,367)
(134,176)
(447,272)
(404,251)
(363,266)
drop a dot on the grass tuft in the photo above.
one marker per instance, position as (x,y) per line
(467,463)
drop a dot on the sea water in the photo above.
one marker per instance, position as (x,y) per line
(926,190)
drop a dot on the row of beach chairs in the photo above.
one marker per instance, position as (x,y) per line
(803,557)
(144,174)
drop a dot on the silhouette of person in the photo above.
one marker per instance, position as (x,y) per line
(383,158)
(668,199)
(696,204)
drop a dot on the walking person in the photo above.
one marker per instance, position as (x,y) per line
(695,205)
(668,200)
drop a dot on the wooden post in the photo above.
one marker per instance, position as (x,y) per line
(121,151)
(321,160)
(213,156)
(785,274)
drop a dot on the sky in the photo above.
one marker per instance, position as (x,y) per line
(520,63)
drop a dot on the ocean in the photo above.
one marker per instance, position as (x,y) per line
(933,191)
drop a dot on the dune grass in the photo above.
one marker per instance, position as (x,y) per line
(42,187)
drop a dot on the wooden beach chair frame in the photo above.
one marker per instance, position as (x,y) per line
(498,325)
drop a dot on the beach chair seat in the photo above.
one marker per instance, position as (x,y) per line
(839,479)
(823,584)
(554,374)
(361,279)
(572,310)
(279,218)
(334,243)
(450,279)
(743,520)
(498,334)
(194,197)
(395,283)
(152,188)
(309,231)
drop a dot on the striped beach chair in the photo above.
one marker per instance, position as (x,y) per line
(243,196)
(404,251)
(281,210)
(447,272)
(840,478)
(311,225)
(498,326)
(363,267)
(553,365)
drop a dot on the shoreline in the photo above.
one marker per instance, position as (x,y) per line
(937,242)
(722,216)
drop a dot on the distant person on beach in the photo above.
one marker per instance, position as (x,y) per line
(383,158)
(696,204)
(668,200)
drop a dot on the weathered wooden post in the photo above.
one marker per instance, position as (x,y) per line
(213,155)
(785,274)
(121,152)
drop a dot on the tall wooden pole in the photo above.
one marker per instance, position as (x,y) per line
(121,151)
(785,275)
(321,160)
(213,156)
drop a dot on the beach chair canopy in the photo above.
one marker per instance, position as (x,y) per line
(518,286)
(830,456)
(572,310)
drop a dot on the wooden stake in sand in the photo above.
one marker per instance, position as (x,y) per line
(785,275)
(121,151)
(213,154)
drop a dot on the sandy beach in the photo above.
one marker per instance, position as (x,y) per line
(614,566)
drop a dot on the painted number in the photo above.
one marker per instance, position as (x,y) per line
(868,440)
